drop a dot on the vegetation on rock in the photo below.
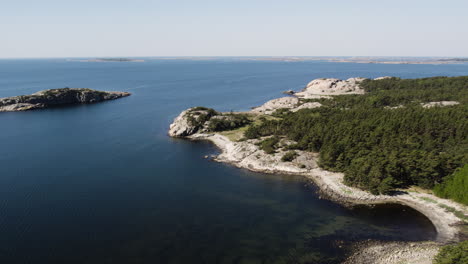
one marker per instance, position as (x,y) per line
(289,156)
(212,121)
(228,122)
(269,145)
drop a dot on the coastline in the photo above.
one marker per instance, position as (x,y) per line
(448,226)
(449,218)
(331,186)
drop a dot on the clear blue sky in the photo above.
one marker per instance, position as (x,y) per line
(90,28)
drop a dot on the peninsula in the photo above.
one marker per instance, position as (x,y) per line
(57,97)
(361,141)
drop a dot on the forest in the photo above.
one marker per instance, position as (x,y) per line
(384,139)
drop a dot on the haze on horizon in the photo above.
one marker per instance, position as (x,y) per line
(140,28)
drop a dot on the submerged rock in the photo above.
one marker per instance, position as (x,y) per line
(56,97)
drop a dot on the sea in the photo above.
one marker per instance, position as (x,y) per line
(103,183)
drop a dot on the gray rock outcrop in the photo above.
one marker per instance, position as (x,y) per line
(331,86)
(182,126)
(193,120)
(272,105)
(439,104)
(56,97)
(308,105)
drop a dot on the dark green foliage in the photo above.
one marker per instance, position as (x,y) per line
(269,145)
(380,149)
(280,112)
(199,115)
(386,186)
(228,122)
(202,108)
(289,156)
(453,254)
(455,186)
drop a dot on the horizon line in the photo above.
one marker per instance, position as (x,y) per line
(240,56)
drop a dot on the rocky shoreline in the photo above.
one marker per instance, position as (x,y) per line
(56,97)
(371,252)
(248,155)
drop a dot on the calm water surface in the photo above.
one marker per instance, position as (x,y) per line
(103,183)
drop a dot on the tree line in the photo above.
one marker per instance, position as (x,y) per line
(383,139)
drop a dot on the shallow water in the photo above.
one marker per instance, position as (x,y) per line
(103,183)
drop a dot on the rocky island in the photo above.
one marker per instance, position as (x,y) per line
(57,97)
(273,138)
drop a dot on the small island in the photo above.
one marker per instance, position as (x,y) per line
(57,97)
(362,141)
(108,60)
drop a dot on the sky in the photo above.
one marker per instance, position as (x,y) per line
(139,28)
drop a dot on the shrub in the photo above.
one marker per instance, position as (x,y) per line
(455,186)
(453,254)
(289,156)
(228,122)
(269,145)
(387,185)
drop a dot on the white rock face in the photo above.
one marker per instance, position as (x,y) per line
(383,78)
(181,127)
(246,154)
(441,103)
(19,107)
(309,105)
(272,105)
(331,86)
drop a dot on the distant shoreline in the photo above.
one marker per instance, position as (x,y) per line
(108,60)
(369,60)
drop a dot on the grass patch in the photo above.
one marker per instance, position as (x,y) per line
(428,199)
(234,135)
(346,191)
(456,212)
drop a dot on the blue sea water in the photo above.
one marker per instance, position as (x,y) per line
(103,183)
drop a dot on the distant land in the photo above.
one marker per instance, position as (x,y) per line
(344,59)
(350,59)
(108,60)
